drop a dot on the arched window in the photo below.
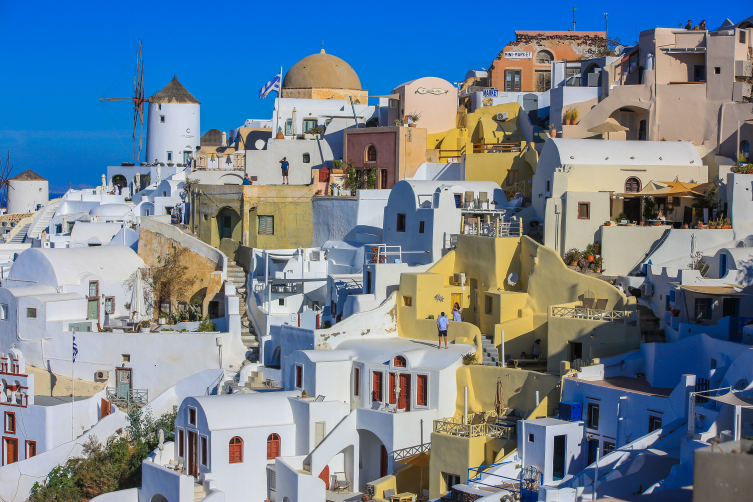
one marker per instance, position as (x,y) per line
(399,362)
(745,149)
(273,446)
(371,153)
(544,57)
(306,158)
(236,451)
(632,185)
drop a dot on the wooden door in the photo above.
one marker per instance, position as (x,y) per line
(11,451)
(404,401)
(192,454)
(273,446)
(324,476)
(105,408)
(391,389)
(92,311)
(384,463)
(123,379)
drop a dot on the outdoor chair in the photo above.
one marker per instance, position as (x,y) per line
(491,420)
(588,303)
(601,304)
(478,419)
(342,485)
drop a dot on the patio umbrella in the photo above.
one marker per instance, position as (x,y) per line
(421,460)
(499,397)
(138,308)
(610,125)
(293,128)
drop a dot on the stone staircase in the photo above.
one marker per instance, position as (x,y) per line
(20,236)
(236,274)
(651,330)
(199,492)
(490,352)
(42,221)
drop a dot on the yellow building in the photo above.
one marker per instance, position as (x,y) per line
(495,148)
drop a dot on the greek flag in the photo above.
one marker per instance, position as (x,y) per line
(75,348)
(272,85)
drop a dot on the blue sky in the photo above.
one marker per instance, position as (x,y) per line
(58,58)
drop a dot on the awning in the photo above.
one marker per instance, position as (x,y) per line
(733,400)
(674,188)
(716,290)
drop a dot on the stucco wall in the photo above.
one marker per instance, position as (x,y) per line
(434,98)
(334,218)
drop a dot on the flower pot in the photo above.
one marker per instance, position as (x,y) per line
(280,136)
(574,263)
(411,125)
(597,270)
(568,122)
(656,223)
(726,226)
(675,312)
(590,258)
(685,226)
(161,321)
(628,224)
(552,133)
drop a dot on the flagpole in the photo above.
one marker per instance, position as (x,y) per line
(279,104)
(73,382)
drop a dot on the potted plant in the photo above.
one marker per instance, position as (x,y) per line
(162,319)
(571,257)
(567,118)
(552,130)
(628,224)
(598,261)
(675,312)
(303,394)
(607,223)
(589,253)
(597,248)
(574,115)
(727,223)
(415,117)
(685,226)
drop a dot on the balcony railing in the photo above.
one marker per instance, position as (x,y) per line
(496,228)
(411,451)
(595,314)
(496,147)
(455,427)
(136,397)
(381,253)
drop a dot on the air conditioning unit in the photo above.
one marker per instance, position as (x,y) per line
(501,116)
(102,375)
(458,278)
(647,289)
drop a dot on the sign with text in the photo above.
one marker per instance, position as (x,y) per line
(491,93)
(518,55)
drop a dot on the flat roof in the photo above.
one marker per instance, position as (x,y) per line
(638,385)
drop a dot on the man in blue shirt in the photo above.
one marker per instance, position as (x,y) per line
(285,166)
(442,324)
(247,180)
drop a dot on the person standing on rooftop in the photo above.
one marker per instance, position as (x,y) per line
(285,167)
(442,324)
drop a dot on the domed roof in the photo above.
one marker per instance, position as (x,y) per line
(174,92)
(321,71)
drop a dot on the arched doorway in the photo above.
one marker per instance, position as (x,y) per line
(370,446)
(121,180)
(158,497)
(631,206)
(227,221)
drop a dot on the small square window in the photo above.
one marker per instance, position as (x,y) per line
(584,210)
(593,416)
(3,312)
(169,156)
(306,158)
(109,305)
(421,227)
(266,225)
(530,438)
(161,119)
(717,70)
(488,304)
(10,422)
(31,313)
(159,106)
(93,288)
(407,301)
(654,423)
(31,449)
(281,302)
(192,416)
(125,358)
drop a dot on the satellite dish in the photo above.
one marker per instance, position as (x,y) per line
(259,144)
(618,50)
(512,279)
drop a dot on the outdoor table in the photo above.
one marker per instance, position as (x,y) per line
(402,497)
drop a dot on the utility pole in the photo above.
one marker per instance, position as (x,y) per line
(574,9)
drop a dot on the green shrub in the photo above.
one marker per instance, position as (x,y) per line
(207,325)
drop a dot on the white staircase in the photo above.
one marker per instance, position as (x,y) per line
(20,236)
(42,221)
(199,492)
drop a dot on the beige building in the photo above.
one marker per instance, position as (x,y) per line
(676,84)
(323,76)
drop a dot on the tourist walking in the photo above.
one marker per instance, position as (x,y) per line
(442,324)
(285,167)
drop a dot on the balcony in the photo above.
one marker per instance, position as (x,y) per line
(454,426)
(577,312)
(494,228)
(127,398)
(382,253)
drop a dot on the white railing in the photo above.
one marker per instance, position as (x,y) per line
(594,314)
(496,228)
(382,253)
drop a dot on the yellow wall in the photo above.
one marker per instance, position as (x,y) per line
(453,455)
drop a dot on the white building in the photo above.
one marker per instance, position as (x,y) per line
(174,123)
(28,192)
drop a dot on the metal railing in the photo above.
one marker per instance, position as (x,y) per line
(496,228)
(382,253)
(594,314)
(496,148)
(451,154)
(509,484)
(455,427)
(411,451)
(138,397)
(518,187)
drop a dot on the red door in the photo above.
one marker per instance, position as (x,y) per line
(391,388)
(105,406)
(273,446)
(11,451)
(404,401)
(324,476)
(192,451)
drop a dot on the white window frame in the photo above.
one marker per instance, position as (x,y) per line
(414,383)
(188,415)
(169,156)
(161,119)
(3,312)
(201,450)
(303,376)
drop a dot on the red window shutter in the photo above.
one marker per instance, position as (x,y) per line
(391,389)
(377,387)
(421,391)
(356,381)
(235,453)
(273,446)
